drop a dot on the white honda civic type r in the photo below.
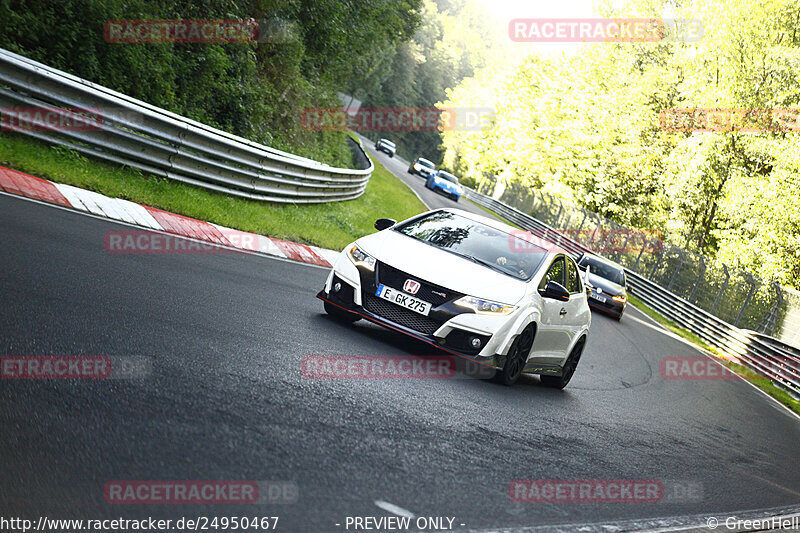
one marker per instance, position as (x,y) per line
(470,285)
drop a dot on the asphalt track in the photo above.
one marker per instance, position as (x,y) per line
(434,200)
(225,400)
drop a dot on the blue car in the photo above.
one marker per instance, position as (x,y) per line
(445,183)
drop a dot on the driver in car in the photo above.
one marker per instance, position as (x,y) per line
(522,265)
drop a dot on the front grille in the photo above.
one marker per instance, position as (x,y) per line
(400,315)
(388,275)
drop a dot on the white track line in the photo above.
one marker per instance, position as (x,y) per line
(394,509)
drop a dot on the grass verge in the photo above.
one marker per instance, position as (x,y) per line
(331,225)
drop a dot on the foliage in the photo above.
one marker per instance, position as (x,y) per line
(586,125)
(255,90)
(456,38)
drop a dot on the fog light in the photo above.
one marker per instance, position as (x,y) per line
(475,342)
(337,287)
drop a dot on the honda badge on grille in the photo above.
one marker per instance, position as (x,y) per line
(411,286)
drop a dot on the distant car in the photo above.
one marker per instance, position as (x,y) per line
(422,167)
(460,282)
(609,286)
(387,146)
(445,183)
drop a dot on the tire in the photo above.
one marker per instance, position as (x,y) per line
(340,314)
(428,184)
(559,382)
(517,355)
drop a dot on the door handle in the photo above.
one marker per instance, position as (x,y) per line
(562,312)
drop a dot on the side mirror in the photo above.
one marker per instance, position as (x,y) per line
(628,288)
(555,291)
(383,223)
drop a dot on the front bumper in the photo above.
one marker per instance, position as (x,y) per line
(610,306)
(442,190)
(436,329)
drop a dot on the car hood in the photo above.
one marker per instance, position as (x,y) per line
(428,263)
(608,286)
(447,185)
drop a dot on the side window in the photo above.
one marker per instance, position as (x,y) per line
(555,273)
(573,279)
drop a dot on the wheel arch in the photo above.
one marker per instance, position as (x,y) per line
(583,337)
(532,317)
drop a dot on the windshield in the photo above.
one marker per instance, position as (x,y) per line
(604,270)
(388,143)
(495,249)
(425,163)
(448,176)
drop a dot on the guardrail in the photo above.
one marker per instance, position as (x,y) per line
(762,354)
(130,132)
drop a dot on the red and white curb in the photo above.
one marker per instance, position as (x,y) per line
(20,184)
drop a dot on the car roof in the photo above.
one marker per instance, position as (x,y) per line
(603,260)
(447,173)
(426,160)
(387,141)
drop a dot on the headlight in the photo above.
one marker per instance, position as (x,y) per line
(361,258)
(485,307)
(621,298)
